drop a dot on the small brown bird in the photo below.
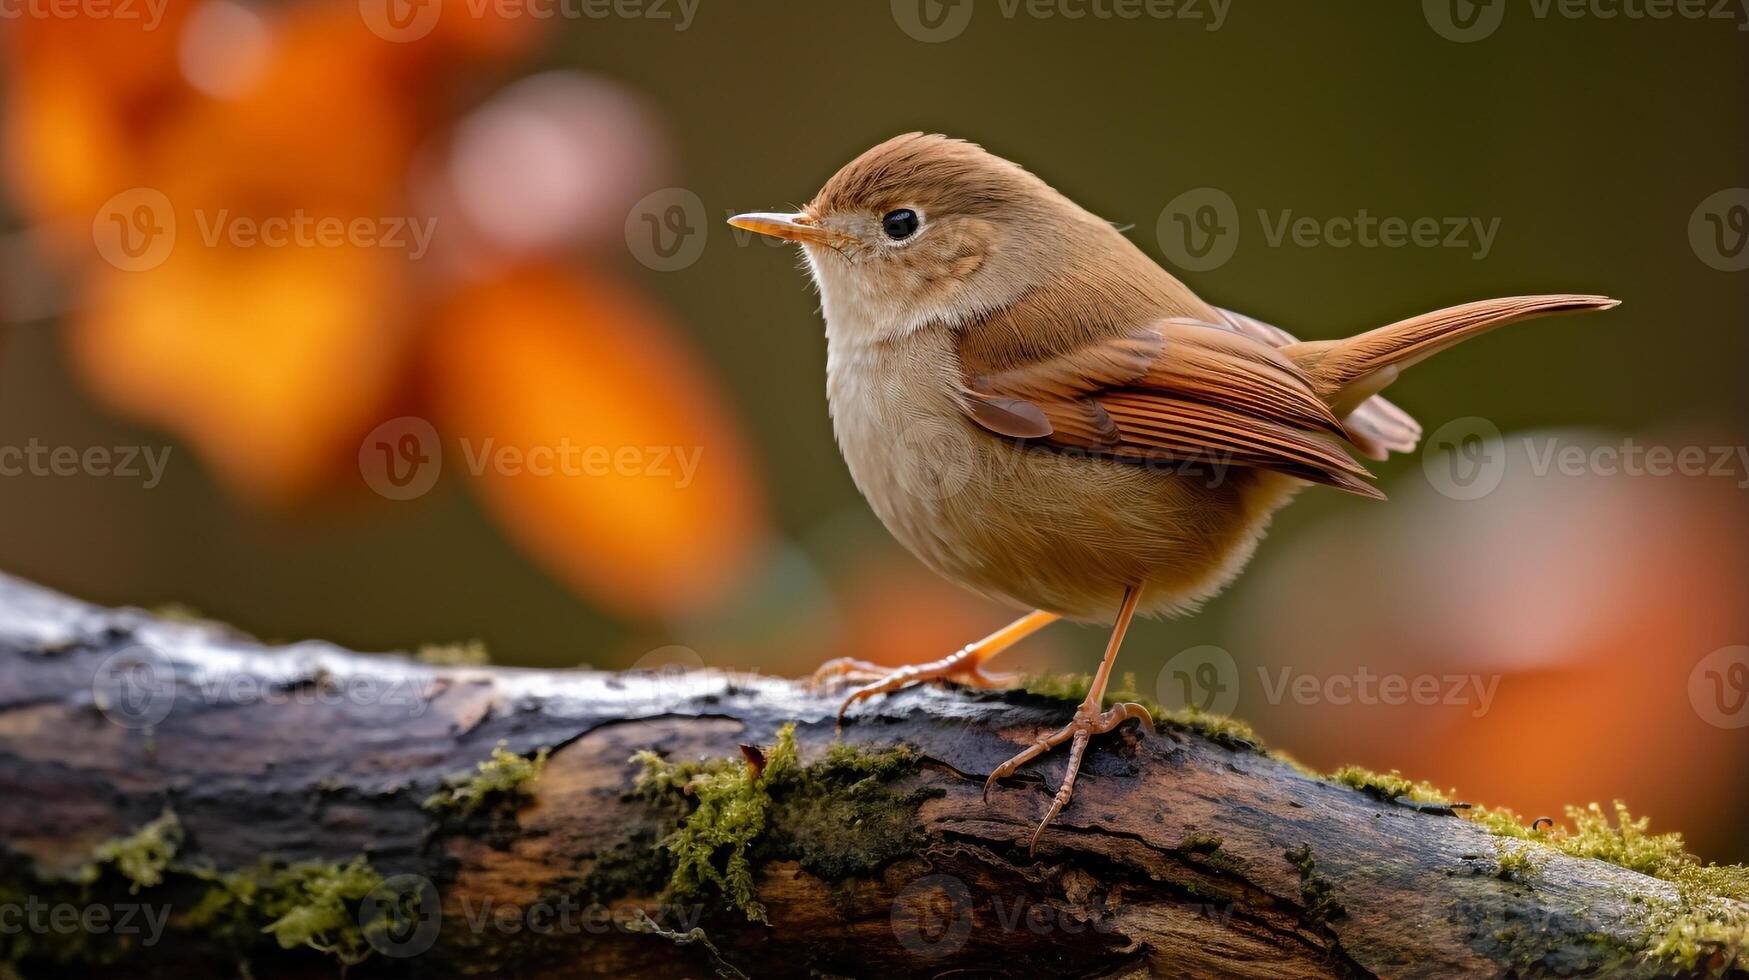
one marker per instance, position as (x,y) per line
(1044,415)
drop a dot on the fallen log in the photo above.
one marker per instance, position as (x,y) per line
(177,799)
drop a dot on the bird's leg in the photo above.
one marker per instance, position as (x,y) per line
(964,666)
(1089,721)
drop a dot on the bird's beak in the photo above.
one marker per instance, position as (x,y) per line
(798,227)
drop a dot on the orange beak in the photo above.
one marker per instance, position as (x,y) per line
(798,227)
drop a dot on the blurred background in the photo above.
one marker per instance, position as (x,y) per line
(395,322)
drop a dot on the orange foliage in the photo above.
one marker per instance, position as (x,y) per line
(597,440)
(275,359)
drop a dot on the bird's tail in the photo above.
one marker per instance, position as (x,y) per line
(1346,373)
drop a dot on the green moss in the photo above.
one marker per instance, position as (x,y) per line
(837,817)
(473,653)
(1207,849)
(1389,786)
(1709,938)
(315,905)
(309,904)
(1626,843)
(180,612)
(1317,894)
(1220,729)
(1201,843)
(841,816)
(1705,929)
(503,776)
(140,857)
(711,847)
(1517,862)
(636,866)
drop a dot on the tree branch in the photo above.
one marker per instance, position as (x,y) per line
(335,803)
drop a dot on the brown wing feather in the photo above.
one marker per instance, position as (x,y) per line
(1377,426)
(1176,390)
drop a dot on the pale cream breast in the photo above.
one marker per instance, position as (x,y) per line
(1030,526)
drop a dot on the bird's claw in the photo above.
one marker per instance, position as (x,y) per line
(1088,722)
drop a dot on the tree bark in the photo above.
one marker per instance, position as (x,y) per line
(1178,856)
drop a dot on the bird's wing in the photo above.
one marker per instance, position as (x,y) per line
(1378,427)
(1174,390)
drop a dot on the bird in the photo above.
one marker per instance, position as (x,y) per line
(1043,414)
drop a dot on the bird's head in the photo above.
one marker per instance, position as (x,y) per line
(924,232)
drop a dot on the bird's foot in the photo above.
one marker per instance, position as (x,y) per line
(964,667)
(1088,722)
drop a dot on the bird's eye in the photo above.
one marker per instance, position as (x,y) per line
(900,224)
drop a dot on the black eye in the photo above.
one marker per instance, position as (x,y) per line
(900,224)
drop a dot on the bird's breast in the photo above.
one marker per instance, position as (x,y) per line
(908,446)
